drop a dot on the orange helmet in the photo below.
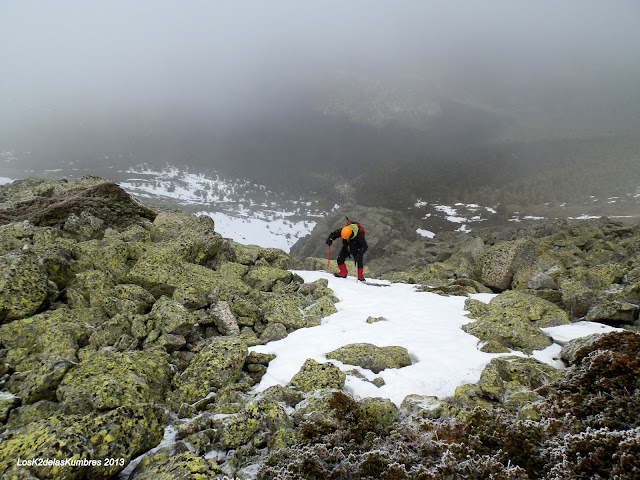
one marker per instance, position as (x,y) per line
(346,233)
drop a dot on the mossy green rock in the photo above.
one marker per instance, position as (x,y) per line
(14,236)
(60,332)
(169,316)
(504,376)
(41,382)
(573,347)
(109,255)
(56,255)
(128,298)
(25,414)
(613,313)
(264,278)
(239,429)
(498,264)
(24,285)
(273,332)
(255,255)
(225,288)
(509,332)
(314,376)
(106,379)
(286,310)
(510,381)
(382,413)
(122,433)
(186,237)
(372,357)
(217,365)
(577,297)
(323,307)
(600,276)
(317,408)
(181,466)
(160,272)
(91,288)
(513,320)
(542,313)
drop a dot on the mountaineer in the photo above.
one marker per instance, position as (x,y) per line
(354,244)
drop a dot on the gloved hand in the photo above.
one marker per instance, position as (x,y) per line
(329,241)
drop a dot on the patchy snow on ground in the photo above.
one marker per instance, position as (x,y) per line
(425,233)
(426,324)
(265,232)
(245,212)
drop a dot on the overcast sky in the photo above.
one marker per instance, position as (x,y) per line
(103,59)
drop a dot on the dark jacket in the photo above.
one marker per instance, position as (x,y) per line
(354,246)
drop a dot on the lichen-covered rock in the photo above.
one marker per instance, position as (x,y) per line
(41,382)
(600,276)
(264,278)
(56,255)
(84,226)
(105,380)
(542,313)
(60,332)
(161,272)
(513,320)
(316,407)
(577,297)
(502,335)
(541,281)
(16,236)
(171,317)
(286,310)
(24,285)
(225,288)
(176,466)
(273,332)
(323,307)
(376,319)
(91,288)
(496,267)
(129,299)
(624,342)
(613,313)
(502,332)
(314,376)
(239,429)
(118,435)
(382,412)
(570,351)
(110,255)
(217,365)
(255,255)
(372,357)
(510,381)
(317,289)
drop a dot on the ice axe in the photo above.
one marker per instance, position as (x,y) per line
(329,258)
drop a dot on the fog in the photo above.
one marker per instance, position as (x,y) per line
(217,82)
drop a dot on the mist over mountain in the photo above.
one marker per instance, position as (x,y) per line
(384,96)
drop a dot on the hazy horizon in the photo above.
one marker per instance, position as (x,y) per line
(204,80)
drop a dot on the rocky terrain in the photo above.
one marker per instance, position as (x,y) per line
(125,336)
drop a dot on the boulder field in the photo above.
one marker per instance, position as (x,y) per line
(125,336)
